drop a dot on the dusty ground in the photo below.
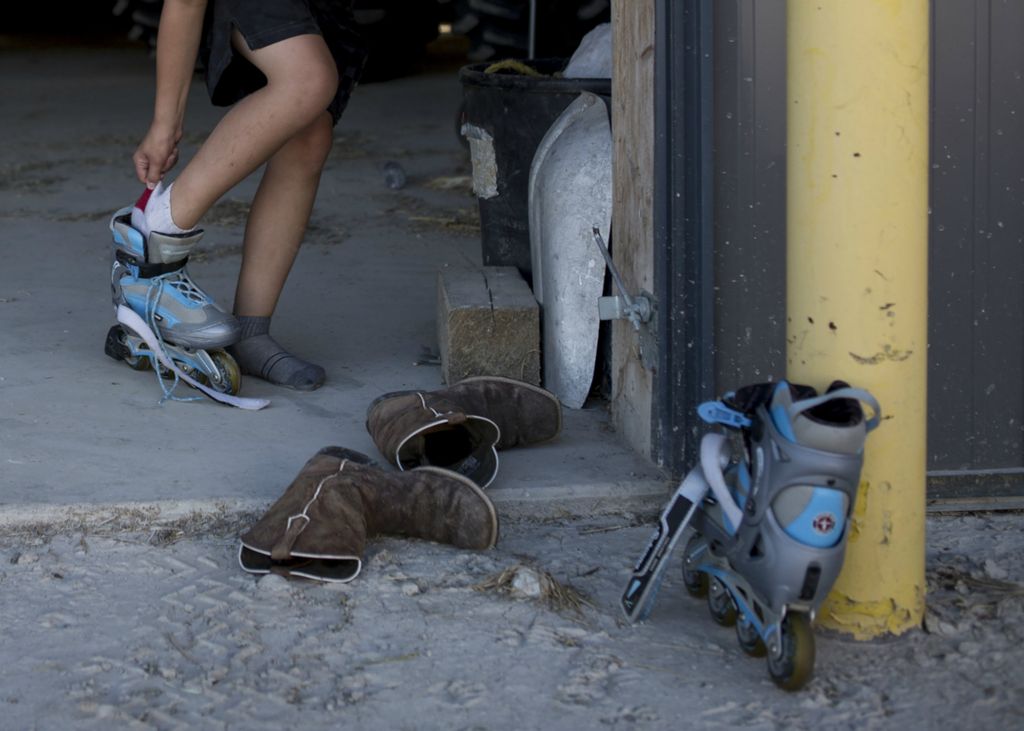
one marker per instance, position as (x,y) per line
(161,629)
(135,623)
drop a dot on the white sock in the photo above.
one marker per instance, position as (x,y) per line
(152,212)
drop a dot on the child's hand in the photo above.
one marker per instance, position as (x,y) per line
(156,154)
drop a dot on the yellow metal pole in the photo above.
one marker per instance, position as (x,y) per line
(857,274)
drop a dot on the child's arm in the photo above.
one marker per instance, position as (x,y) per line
(181,25)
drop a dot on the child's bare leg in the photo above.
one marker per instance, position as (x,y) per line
(284,124)
(275,228)
(279,216)
(302,79)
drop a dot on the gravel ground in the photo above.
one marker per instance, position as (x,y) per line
(162,630)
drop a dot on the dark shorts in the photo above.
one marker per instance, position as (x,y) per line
(229,76)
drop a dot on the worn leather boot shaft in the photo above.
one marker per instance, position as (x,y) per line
(413,429)
(431,503)
(316,529)
(319,527)
(526,414)
(449,427)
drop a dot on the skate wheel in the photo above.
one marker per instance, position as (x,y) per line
(138,362)
(696,582)
(230,381)
(720,604)
(791,667)
(117,348)
(748,638)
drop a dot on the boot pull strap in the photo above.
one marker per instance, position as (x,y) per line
(857,394)
(423,402)
(282,550)
(452,416)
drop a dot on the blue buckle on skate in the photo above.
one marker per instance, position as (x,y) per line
(715,412)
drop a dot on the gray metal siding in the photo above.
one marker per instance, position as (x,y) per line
(976,373)
(750,191)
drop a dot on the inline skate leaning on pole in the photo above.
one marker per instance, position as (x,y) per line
(765,515)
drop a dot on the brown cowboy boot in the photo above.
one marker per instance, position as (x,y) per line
(318,528)
(462,427)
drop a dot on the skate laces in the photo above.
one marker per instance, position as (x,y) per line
(183,283)
(153,295)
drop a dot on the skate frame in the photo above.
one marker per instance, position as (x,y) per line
(128,317)
(638,599)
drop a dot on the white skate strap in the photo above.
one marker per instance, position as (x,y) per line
(713,448)
(128,317)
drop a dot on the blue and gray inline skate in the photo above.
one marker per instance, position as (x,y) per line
(149,277)
(765,514)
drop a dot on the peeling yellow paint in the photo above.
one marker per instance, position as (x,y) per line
(886,353)
(857,208)
(860,510)
(865,619)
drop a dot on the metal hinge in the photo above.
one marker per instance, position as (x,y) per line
(640,309)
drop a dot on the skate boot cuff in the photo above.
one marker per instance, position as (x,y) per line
(170,248)
(157,250)
(838,407)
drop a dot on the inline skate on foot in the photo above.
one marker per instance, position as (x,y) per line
(765,515)
(149,277)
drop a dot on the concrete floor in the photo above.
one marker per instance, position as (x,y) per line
(118,481)
(80,432)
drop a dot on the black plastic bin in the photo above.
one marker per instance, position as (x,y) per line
(516,111)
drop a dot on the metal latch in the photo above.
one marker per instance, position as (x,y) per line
(638,310)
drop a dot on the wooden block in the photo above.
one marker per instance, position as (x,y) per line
(488,324)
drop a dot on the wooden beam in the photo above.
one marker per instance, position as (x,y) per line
(633,24)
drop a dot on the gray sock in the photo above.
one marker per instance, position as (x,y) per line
(260,355)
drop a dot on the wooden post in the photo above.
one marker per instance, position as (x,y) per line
(633,25)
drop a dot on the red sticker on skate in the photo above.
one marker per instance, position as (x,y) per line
(824,523)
